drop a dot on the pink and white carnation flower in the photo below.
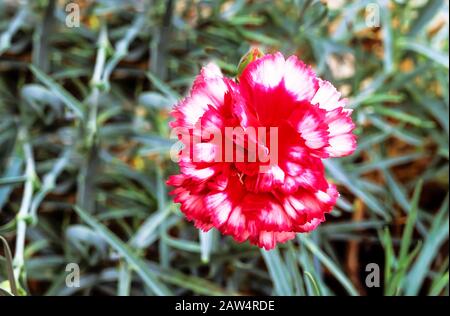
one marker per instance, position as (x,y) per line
(253,199)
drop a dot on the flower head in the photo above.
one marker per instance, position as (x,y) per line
(251,164)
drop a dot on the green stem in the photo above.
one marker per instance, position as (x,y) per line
(96,84)
(121,48)
(86,193)
(14,26)
(27,196)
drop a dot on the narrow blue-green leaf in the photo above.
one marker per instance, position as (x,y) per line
(436,237)
(410,222)
(430,53)
(196,284)
(398,192)
(12,180)
(386,163)
(9,266)
(142,237)
(206,243)
(163,87)
(426,14)
(180,244)
(439,285)
(277,271)
(327,262)
(13,169)
(397,131)
(389,257)
(331,228)
(313,283)
(293,267)
(155,100)
(400,115)
(388,40)
(352,184)
(124,280)
(68,99)
(142,269)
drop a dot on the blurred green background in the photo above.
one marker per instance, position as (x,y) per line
(84,146)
